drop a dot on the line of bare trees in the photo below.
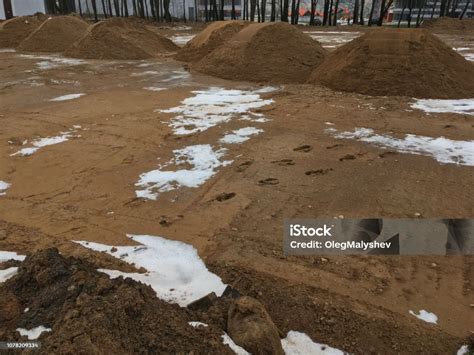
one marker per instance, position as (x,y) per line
(256,10)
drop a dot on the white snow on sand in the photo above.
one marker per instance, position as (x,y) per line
(177,75)
(227,340)
(10,255)
(181,40)
(34,333)
(463,106)
(203,162)
(240,135)
(153,88)
(297,343)
(208,108)
(441,149)
(175,271)
(426,316)
(5,274)
(67,97)
(463,350)
(44,142)
(197,324)
(469,56)
(145,73)
(7,50)
(3,187)
(51,62)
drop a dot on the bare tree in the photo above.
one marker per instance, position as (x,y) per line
(361,17)
(418,17)
(371,14)
(383,10)
(336,8)
(464,10)
(284,11)
(355,16)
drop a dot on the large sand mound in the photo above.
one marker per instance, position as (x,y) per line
(15,30)
(55,35)
(120,39)
(209,39)
(265,52)
(397,62)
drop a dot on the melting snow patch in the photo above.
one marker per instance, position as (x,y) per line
(240,135)
(5,274)
(297,343)
(7,50)
(10,255)
(3,187)
(428,317)
(441,149)
(175,271)
(177,75)
(463,350)
(67,97)
(465,106)
(34,333)
(148,72)
(208,108)
(154,88)
(50,62)
(227,340)
(197,324)
(203,160)
(182,39)
(43,142)
(469,56)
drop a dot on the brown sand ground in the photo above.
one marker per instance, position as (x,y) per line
(66,192)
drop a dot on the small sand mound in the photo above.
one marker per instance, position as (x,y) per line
(55,35)
(397,62)
(449,23)
(15,30)
(265,52)
(209,39)
(120,39)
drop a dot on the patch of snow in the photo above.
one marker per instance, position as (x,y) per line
(181,40)
(463,106)
(297,343)
(154,88)
(177,75)
(148,72)
(203,161)
(469,56)
(67,97)
(197,324)
(208,108)
(51,62)
(10,255)
(426,316)
(34,333)
(240,135)
(463,350)
(5,274)
(442,149)
(26,310)
(7,50)
(3,187)
(460,49)
(175,271)
(227,340)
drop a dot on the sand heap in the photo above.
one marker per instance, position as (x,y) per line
(449,23)
(15,30)
(265,52)
(55,35)
(209,39)
(397,62)
(120,39)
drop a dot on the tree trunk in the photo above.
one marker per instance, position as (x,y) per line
(435,2)
(401,15)
(361,17)
(94,8)
(371,14)
(418,17)
(325,12)
(263,9)
(410,13)
(284,11)
(336,8)
(464,10)
(297,12)
(355,16)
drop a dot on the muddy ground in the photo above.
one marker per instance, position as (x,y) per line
(84,189)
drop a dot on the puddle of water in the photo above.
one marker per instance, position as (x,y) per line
(203,161)
(174,269)
(441,149)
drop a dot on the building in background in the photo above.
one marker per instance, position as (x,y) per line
(430,9)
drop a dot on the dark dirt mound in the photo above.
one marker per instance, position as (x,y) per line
(397,62)
(209,39)
(265,52)
(449,23)
(55,35)
(120,39)
(15,30)
(90,314)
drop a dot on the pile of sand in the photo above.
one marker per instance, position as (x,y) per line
(449,23)
(120,39)
(55,35)
(15,30)
(209,39)
(265,52)
(397,62)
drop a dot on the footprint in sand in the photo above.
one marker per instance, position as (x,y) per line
(283,162)
(318,172)
(225,196)
(347,157)
(243,166)
(269,181)
(303,148)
